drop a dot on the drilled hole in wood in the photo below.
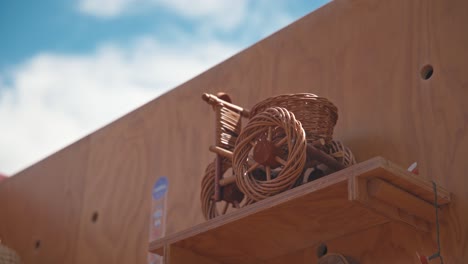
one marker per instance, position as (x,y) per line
(95,217)
(322,250)
(37,245)
(426,72)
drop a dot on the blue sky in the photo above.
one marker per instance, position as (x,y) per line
(59,60)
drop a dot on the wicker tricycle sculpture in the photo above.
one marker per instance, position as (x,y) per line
(286,142)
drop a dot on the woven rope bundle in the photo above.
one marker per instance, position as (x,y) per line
(208,189)
(275,118)
(8,256)
(317,114)
(228,127)
(337,146)
(333,259)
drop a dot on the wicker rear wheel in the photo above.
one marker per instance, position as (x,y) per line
(333,259)
(8,255)
(210,207)
(347,157)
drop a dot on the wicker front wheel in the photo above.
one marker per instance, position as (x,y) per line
(279,127)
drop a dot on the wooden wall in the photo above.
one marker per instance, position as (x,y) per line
(364,55)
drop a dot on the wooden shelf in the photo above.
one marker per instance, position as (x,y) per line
(367,194)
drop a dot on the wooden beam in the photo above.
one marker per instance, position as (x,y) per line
(401,199)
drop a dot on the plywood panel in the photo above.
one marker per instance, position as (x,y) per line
(389,243)
(364,55)
(41,207)
(324,209)
(176,255)
(119,177)
(273,229)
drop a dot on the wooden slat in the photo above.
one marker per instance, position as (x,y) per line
(177,255)
(415,184)
(360,188)
(400,241)
(221,151)
(317,211)
(399,198)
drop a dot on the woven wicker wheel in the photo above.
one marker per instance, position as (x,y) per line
(208,189)
(333,259)
(347,157)
(8,255)
(317,114)
(278,128)
(209,206)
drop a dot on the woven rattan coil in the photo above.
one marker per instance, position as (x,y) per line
(347,157)
(228,127)
(317,114)
(8,256)
(208,189)
(275,118)
(333,259)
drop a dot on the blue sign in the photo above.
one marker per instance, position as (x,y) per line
(160,188)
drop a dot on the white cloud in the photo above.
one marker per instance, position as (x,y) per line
(54,99)
(104,8)
(248,18)
(224,14)
(227,14)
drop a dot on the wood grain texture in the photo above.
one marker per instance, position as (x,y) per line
(399,198)
(122,221)
(317,211)
(40,207)
(363,55)
(176,255)
(362,196)
(385,244)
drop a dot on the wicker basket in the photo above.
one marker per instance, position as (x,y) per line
(8,256)
(317,114)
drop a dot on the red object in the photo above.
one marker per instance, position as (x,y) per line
(423,259)
(2,177)
(414,168)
